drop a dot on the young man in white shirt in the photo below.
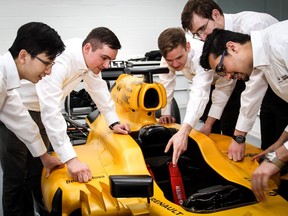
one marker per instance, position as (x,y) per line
(30,57)
(200,17)
(182,55)
(81,60)
(234,55)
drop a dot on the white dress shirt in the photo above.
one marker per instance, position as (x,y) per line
(3,89)
(252,96)
(12,112)
(199,89)
(270,56)
(69,70)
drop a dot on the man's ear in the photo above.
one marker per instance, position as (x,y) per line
(215,14)
(87,47)
(232,46)
(22,56)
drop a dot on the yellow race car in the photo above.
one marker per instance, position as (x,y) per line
(133,176)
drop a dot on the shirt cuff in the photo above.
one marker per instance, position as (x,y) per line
(111,117)
(192,121)
(215,112)
(286,129)
(286,145)
(167,110)
(65,152)
(37,148)
(244,124)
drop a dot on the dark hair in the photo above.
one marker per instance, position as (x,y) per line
(100,36)
(202,8)
(169,39)
(215,44)
(35,38)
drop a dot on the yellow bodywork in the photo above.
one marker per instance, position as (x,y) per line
(107,154)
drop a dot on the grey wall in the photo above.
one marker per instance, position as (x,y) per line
(277,8)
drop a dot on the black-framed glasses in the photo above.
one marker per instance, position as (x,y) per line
(220,67)
(201,30)
(48,64)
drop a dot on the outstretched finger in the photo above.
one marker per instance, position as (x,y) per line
(168,146)
(176,155)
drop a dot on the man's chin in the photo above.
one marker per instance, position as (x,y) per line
(96,70)
(240,77)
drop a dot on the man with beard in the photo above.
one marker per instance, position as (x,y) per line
(200,17)
(235,55)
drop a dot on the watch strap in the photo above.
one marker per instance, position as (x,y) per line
(274,159)
(239,138)
(113,124)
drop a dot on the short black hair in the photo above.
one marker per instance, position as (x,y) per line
(35,38)
(100,36)
(215,44)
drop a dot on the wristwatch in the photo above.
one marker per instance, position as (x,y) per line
(272,157)
(239,138)
(113,124)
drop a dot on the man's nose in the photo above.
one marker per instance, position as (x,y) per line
(203,36)
(48,71)
(106,64)
(175,63)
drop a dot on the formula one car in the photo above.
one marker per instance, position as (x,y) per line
(133,176)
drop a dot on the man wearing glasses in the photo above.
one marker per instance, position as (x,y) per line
(81,60)
(29,58)
(233,54)
(201,17)
(48,64)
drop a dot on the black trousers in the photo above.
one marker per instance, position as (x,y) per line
(21,172)
(227,123)
(273,118)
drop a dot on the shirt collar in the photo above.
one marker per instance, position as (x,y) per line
(228,25)
(11,72)
(259,55)
(73,46)
(189,61)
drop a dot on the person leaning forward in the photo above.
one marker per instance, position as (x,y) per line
(181,53)
(81,60)
(30,57)
(200,17)
(234,55)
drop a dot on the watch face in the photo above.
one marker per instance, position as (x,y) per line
(239,139)
(270,156)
